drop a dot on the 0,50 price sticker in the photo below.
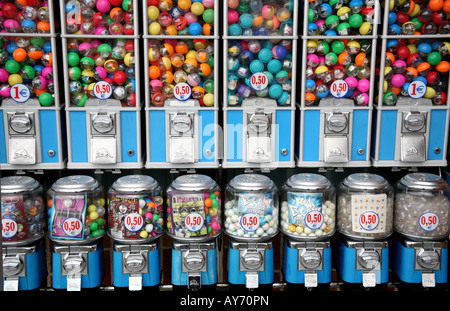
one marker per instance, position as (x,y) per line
(72,227)
(314,220)
(369,220)
(103,90)
(9,228)
(339,88)
(249,222)
(194,222)
(259,81)
(182,91)
(429,221)
(133,222)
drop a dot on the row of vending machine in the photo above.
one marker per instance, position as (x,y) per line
(76,213)
(94,84)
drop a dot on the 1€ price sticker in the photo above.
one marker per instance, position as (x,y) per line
(249,222)
(20,92)
(339,88)
(417,89)
(429,221)
(259,81)
(133,222)
(314,220)
(369,220)
(72,227)
(182,91)
(103,90)
(194,222)
(9,228)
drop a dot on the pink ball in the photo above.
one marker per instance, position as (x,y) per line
(190,18)
(208,3)
(148,215)
(233,17)
(5,92)
(398,80)
(352,82)
(363,85)
(4,75)
(313,59)
(103,6)
(265,12)
(47,72)
(100,30)
(101,71)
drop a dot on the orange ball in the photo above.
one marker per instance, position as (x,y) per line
(205,69)
(151,204)
(446,6)
(342,57)
(395,90)
(258,21)
(35,54)
(436,5)
(154,72)
(169,48)
(40,92)
(310,96)
(208,202)
(181,48)
(443,66)
(360,58)
(171,30)
(169,76)
(233,4)
(43,26)
(50,203)
(206,29)
(19,55)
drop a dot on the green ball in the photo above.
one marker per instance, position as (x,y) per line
(12,66)
(75,73)
(37,41)
(209,86)
(208,16)
(29,71)
(243,7)
(355,20)
(434,58)
(337,47)
(93,226)
(46,99)
(73,59)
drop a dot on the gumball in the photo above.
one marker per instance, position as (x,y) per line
(103,6)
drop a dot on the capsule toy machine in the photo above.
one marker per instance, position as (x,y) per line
(24,226)
(421,224)
(413,87)
(260,49)
(101,54)
(365,213)
(193,221)
(308,221)
(251,222)
(335,107)
(135,211)
(181,84)
(32,128)
(76,225)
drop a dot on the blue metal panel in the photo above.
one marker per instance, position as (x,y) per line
(128,134)
(311,133)
(359,134)
(2,139)
(284,135)
(238,277)
(78,136)
(49,135)
(436,139)
(157,121)
(234,136)
(388,133)
(206,135)
(206,278)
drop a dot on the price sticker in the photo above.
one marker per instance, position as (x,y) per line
(182,91)
(259,81)
(250,222)
(314,220)
(133,222)
(194,222)
(339,88)
(417,89)
(429,221)
(20,93)
(103,90)
(369,220)
(9,228)
(72,227)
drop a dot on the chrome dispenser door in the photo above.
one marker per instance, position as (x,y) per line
(103,138)
(182,144)
(336,140)
(412,141)
(259,147)
(22,138)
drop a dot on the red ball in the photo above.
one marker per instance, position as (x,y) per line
(402,17)
(403,52)
(109,80)
(120,77)
(115,2)
(432,77)
(152,2)
(133,99)
(9,10)
(129,45)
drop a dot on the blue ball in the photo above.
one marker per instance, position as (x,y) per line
(280,52)
(246,20)
(256,66)
(234,30)
(275,91)
(195,29)
(265,55)
(274,66)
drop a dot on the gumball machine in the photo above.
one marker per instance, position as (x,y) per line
(135,210)
(31,123)
(365,214)
(181,84)
(251,223)
(24,226)
(260,49)
(421,223)
(413,86)
(77,223)
(193,221)
(101,53)
(308,218)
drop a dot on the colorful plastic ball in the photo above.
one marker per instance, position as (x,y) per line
(398,80)
(46,99)
(14,79)
(4,75)
(443,66)
(195,29)
(197,8)
(103,6)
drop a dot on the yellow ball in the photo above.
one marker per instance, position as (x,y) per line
(152,13)
(92,208)
(291,228)
(191,54)
(143,234)
(208,99)
(167,63)
(197,8)
(14,79)
(93,215)
(154,28)
(364,28)
(430,93)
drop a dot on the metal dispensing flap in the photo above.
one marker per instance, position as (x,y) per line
(75,183)
(307,181)
(336,102)
(30,103)
(193,182)
(409,101)
(366,181)
(15,184)
(424,181)
(258,102)
(249,182)
(182,104)
(135,183)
